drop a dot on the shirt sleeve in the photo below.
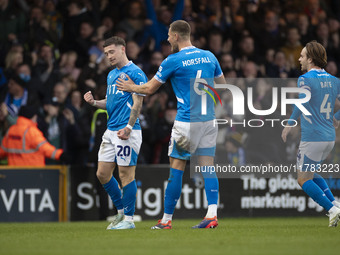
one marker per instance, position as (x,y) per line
(218,70)
(165,70)
(301,83)
(297,112)
(139,78)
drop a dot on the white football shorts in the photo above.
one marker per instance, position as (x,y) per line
(192,138)
(311,154)
(122,152)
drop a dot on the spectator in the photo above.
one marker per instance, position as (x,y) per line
(45,67)
(13,60)
(314,12)
(158,25)
(293,47)
(227,62)
(67,64)
(215,43)
(271,32)
(18,95)
(235,153)
(283,69)
(134,21)
(83,120)
(246,53)
(12,26)
(25,145)
(53,17)
(60,128)
(77,13)
(39,31)
(5,120)
(304,29)
(133,53)
(250,70)
(33,83)
(332,68)
(155,61)
(105,30)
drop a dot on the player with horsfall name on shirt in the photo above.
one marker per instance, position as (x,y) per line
(317,129)
(193,133)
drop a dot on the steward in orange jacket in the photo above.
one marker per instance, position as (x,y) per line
(24,144)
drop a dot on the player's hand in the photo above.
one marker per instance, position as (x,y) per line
(124,133)
(89,98)
(125,85)
(285,132)
(335,122)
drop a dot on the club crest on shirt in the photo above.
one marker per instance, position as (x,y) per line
(122,76)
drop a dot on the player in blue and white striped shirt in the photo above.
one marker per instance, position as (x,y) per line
(317,130)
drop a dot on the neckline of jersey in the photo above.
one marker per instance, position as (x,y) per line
(317,70)
(129,63)
(187,48)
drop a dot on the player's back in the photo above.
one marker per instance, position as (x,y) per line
(182,68)
(324,89)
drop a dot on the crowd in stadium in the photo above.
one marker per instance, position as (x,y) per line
(51,54)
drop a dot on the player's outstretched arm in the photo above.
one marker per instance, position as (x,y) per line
(148,88)
(88,97)
(124,133)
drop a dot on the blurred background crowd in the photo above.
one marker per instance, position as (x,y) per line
(51,54)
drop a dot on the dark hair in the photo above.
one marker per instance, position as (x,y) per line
(317,53)
(182,28)
(114,40)
(16,78)
(28,111)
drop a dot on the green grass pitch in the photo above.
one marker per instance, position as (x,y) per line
(233,236)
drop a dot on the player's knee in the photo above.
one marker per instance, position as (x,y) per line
(102,176)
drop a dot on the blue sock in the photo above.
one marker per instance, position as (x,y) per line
(211,186)
(129,198)
(323,185)
(173,190)
(114,192)
(317,194)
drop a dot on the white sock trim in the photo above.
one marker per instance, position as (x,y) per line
(166,218)
(336,203)
(128,218)
(121,211)
(212,211)
(334,208)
